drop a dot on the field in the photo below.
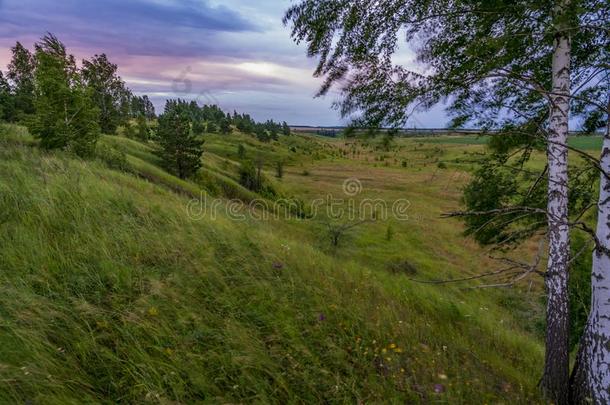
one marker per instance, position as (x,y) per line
(584,142)
(112,292)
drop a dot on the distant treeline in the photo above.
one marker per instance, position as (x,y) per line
(212,119)
(334,132)
(67,106)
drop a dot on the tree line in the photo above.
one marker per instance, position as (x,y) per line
(66,106)
(212,119)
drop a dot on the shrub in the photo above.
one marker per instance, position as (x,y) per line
(249,177)
(113,158)
(279,169)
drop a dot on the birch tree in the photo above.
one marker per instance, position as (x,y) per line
(505,65)
(556,365)
(591,375)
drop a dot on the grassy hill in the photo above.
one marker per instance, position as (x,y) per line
(112,293)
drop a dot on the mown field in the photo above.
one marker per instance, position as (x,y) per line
(112,292)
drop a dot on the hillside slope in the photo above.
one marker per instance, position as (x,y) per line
(111,293)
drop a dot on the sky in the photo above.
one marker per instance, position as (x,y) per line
(234,53)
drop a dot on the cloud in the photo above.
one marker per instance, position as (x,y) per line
(136,27)
(236,53)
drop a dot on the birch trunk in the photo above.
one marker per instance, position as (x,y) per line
(591,379)
(555,380)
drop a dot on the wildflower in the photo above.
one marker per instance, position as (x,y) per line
(392,346)
(398,350)
(439,388)
(442,376)
(153,311)
(321,317)
(278,266)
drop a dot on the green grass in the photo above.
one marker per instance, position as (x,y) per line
(584,142)
(455,140)
(111,293)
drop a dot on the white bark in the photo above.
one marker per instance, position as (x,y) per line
(556,373)
(597,340)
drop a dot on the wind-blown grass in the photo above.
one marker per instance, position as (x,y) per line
(111,293)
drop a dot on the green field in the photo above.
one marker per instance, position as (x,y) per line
(112,293)
(585,142)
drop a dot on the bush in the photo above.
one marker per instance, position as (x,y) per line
(250,177)
(279,170)
(113,158)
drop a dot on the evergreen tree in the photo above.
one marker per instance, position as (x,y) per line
(285,128)
(149,108)
(21,75)
(142,106)
(212,128)
(261,133)
(181,150)
(198,127)
(65,115)
(225,127)
(110,94)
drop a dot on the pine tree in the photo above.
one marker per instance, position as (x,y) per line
(65,115)
(198,127)
(212,128)
(285,128)
(225,127)
(181,150)
(141,106)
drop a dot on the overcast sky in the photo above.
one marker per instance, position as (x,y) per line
(234,53)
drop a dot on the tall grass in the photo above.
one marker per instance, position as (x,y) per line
(110,293)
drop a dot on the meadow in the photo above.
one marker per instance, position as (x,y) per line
(111,292)
(584,142)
